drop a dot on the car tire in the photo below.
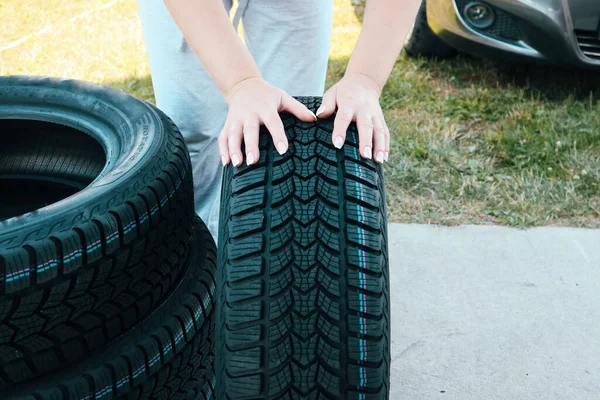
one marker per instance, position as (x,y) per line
(421,41)
(76,272)
(159,356)
(199,388)
(302,295)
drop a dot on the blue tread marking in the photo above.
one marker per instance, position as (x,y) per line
(19,276)
(179,337)
(72,258)
(94,248)
(122,382)
(104,393)
(154,360)
(361,300)
(51,265)
(139,371)
(164,201)
(116,236)
(188,326)
(130,228)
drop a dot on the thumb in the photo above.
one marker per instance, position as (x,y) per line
(328,105)
(296,108)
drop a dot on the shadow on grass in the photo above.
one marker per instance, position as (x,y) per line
(551,82)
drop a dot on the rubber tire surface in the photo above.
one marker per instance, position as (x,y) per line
(302,294)
(158,358)
(422,41)
(67,271)
(199,389)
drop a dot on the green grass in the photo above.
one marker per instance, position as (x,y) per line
(474,141)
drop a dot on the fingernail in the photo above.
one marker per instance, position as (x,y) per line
(367,153)
(313,114)
(339,142)
(321,110)
(250,158)
(379,157)
(236,160)
(224,160)
(386,156)
(281,148)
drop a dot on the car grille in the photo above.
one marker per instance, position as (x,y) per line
(589,43)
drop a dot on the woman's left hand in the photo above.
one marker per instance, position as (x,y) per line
(356,98)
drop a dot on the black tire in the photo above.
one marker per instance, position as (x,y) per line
(114,245)
(157,358)
(202,388)
(302,294)
(37,353)
(421,40)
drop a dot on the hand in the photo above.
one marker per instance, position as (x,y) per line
(356,98)
(254,102)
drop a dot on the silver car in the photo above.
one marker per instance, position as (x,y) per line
(553,31)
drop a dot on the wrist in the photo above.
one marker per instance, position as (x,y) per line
(228,93)
(366,79)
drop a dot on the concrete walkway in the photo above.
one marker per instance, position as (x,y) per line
(495,313)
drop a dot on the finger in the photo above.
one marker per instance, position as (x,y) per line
(296,108)
(275,127)
(234,143)
(364,123)
(379,141)
(223,150)
(387,141)
(251,142)
(340,126)
(328,104)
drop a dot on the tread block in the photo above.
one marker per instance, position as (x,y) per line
(249,290)
(244,336)
(365,282)
(281,328)
(360,215)
(244,269)
(281,305)
(248,223)
(246,246)
(242,202)
(243,361)
(363,259)
(17,270)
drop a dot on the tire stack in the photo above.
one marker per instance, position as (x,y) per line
(108,292)
(108,281)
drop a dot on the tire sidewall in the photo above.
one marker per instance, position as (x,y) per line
(129,130)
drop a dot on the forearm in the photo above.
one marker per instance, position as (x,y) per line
(385,27)
(209,32)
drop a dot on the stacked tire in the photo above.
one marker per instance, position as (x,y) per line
(106,276)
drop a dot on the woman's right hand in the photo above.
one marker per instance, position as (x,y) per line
(254,102)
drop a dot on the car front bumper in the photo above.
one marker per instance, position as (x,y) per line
(556,31)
